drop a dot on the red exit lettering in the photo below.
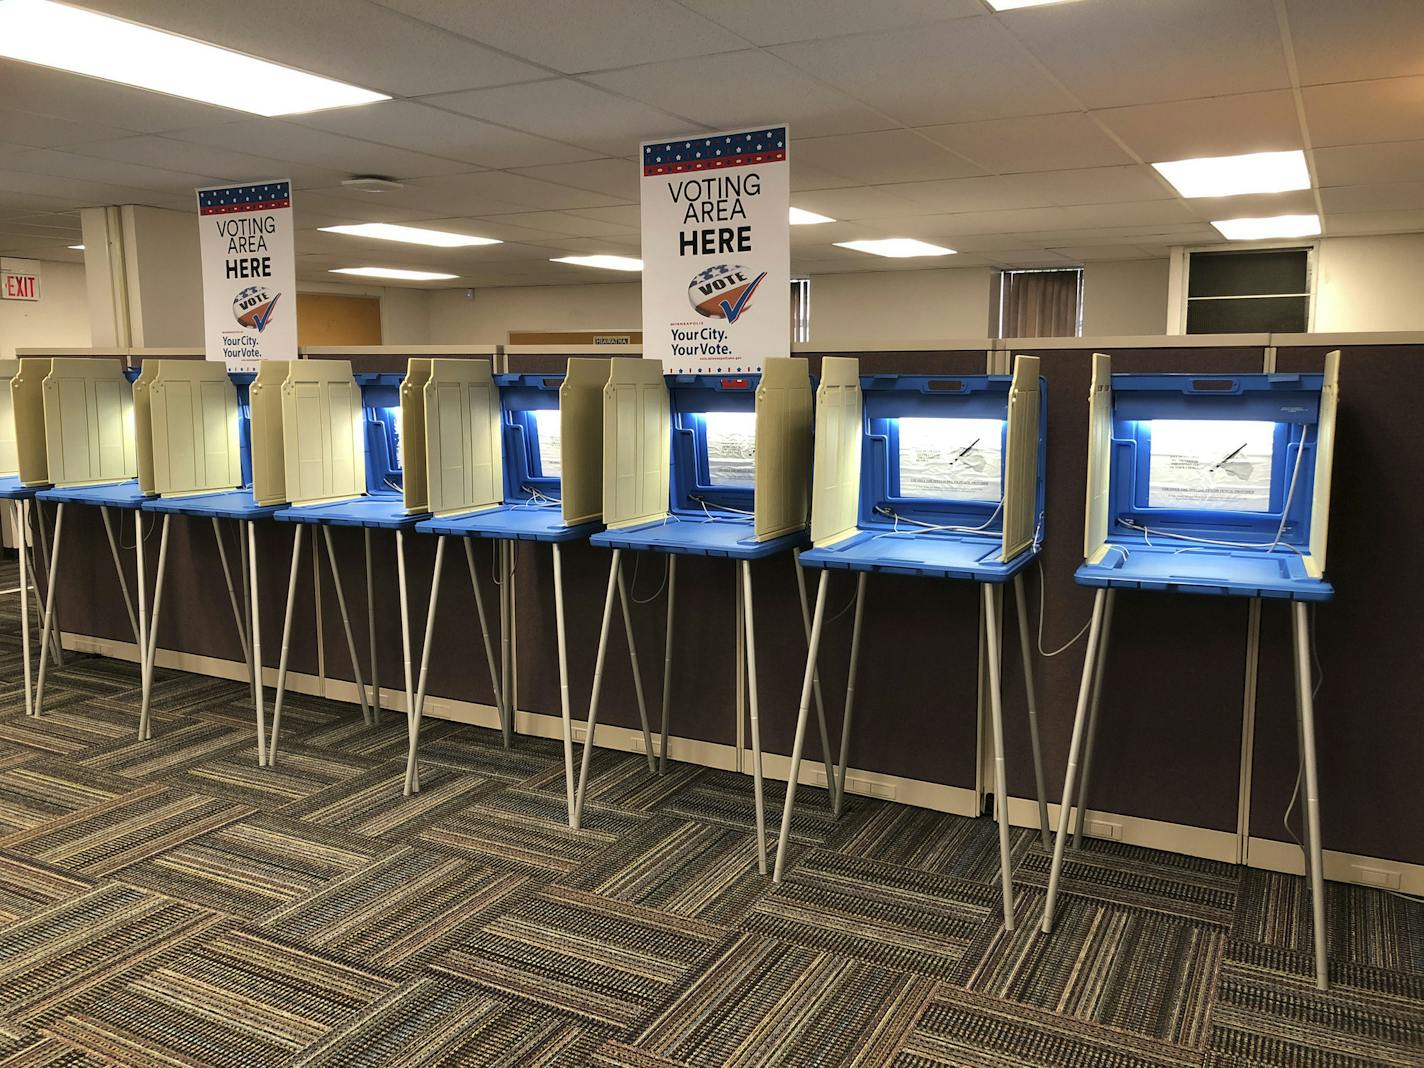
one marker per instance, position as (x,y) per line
(20,286)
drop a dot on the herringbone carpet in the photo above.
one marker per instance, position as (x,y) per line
(170,903)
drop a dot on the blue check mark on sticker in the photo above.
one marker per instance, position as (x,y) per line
(266,317)
(734,311)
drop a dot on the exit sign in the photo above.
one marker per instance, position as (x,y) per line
(19,280)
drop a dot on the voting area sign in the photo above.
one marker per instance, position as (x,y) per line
(249,273)
(717,250)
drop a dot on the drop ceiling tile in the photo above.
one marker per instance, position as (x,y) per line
(1095,253)
(302,144)
(351,40)
(59,192)
(48,161)
(806,177)
(1354,199)
(1209,126)
(168,154)
(616,178)
(1297,202)
(803,20)
(1337,42)
(991,193)
(47,131)
(419,127)
(336,206)
(627,216)
(566,224)
(43,91)
(1030,257)
(584,37)
(1102,185)
(1394,161)
(498,227)
(1031,143)
(959,71)
(1358,113)
(533,193)
(886,156)
(744,82)
(1374,222)
(1119,52)
(569,111)
(856,202)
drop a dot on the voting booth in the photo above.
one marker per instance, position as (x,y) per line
(936,477)
(706,465)
(514,457)
(1207,484)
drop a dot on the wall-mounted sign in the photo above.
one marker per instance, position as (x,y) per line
(19,279)
(249,273)
(717,250)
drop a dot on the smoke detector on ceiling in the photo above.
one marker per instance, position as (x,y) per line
(372,183)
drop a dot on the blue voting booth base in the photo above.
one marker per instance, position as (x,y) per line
(695,534)
(510,522)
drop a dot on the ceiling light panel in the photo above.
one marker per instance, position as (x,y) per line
(610,263)
(413,235)
(802,217)
(1230,176)
(897,247)
(394,272)
(1272,226)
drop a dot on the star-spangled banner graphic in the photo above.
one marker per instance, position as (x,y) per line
(717,152)
(265,196)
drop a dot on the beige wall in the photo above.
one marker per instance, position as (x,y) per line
(1123,298)
(901,305)
(488,318)
(60,318)
(1370,283)
(165,277)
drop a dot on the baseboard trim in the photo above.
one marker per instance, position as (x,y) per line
(1136,830)
(1398,875)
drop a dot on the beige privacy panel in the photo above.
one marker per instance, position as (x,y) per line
(783,447)
(89,422)
(637,442)
(264,396)
(835,491)
(195,445)
(1324,463)
(143,421)
(463,460)
(415,494)
(1095,518)
(322,434)
(27,406)
(581,440)
(1021,458)
(9,447)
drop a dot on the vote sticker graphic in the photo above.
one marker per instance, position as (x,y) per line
(724,291)
(253,307)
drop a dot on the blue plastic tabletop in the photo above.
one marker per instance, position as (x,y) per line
(12,489)
(727,536)
(105,495)
(377,511)
(510,522)
(965,556)
(229,504)
(1221,571)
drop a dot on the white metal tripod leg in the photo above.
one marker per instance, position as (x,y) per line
(506,627)
(44,569)
(22,526)
(286,636)
(637,672)
(346,625)
(667,663)
(838,798)
(485,634)
(758,788)
(1305,709)
(123,580)
(414,720)
(615,568)
(995,649)
(1090,742)
(140,572)
(231,594)
(1079,722)
(245,577)
(46,627)
(371,631)
(145,719)
(1030,692)
(254,618)
(832,789)
(802,716)
(405,640)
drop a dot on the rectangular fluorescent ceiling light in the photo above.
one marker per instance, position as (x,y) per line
(98,46)
(897,247)
(1231,176)
(1012,5)
(1273,226)
(611,263)
(802,217)
(413,235)
(394,272)
(77,248)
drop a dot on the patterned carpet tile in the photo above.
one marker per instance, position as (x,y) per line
(1203,891)
(348,733)
(27,886)
(399,912)
(234,774)
(46,788)
(764,1002)
(106,838)
(301,714)
(481,752)
(619,778)
(531,830)
(250,866)
(963,1027)
(1134,970)
(1269,1013)
(79,943)
(371,803)
(606,962)
(47,1052)
(679,866)
(897,917)
(438,1020)
(231,1000)
(185,742)
(69,727)
(929,841)
(726,798)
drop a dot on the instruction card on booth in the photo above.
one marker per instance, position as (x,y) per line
(717,251)
(249,273)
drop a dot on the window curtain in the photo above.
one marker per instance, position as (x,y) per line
(1040,303)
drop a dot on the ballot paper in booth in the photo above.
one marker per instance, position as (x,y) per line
(1220,464)
(951,459)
